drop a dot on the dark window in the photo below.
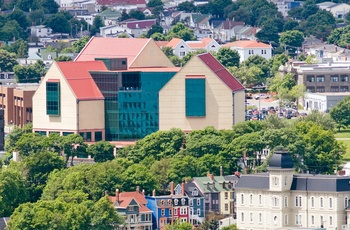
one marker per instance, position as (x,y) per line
(344,78)
(195,97)
(344,88)
(66,133)
(334,88)
(310,78)
(86,136)
(320,90)
(52,98)
(42,133)
(334,78)
(98,136)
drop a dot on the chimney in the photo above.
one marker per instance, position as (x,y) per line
(221,174)
(183,188)
(137,188)
(172,188)
(211,176)
(117,195)
(154,192)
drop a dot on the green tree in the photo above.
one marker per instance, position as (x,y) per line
(104,215)
(101,151)
(292,39)
(177,225)
(36,17)
(7,60)
(63,58)
(322,119)
(29,143)
(228,57)
(158,37)
(230,227)
(160,171)
(30,73)
(20,47)
(97,24)
(187,7)
(137,14)
(80,44)
(49,6)
(340,113)
(38,167)
(73,146)
(11,31)
(155,29)
(138,175)
(181,31)
(12,191)
(20,17)
(290,25)
(58,23)
(154,3)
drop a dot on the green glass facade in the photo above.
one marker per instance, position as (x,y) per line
(131,102)
(53,98)
(195,97)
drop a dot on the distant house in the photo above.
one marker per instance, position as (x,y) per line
(223,30)
(110,16)
(114,31)
(339,10)
(167,209)
(40,31)
(196,201)
(208,44)
(218,191)
(123,3)
(139,27)
(179,46)
(246,48)
(133,207)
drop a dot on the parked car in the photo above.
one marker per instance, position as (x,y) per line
(302,114)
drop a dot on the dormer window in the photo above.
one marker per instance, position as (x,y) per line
(195,192)
(176,202)
(182,47)
(223,184)
(169,202)
(162,202)
(49,57)
(183,201)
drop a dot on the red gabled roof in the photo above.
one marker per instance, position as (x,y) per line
(126,197)
(78,77)
(99,47)
(174,42)
(141,24)
(121,2)
(221,72)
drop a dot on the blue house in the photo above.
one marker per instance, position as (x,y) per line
(167,209)
(196,201)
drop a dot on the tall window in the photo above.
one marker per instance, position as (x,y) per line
(242,199)
(260,217)
(195,97)
(242,216)
(330,202)
(321,202)
(260,200)
(312,220)
(312,202)
(330,220)
(53,98)
(296,201)
(251,199)
(285,201)
(285,219)
(345,202)
(251,217)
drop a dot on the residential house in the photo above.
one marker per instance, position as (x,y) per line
(281,199)
(246,48)
(16,101)
(119,77)
(139,27)
(203,93)
(223,30)
(208,44)
(121,4)
(195,201)
(339,10)
(179,46)
(110,16)
(114,31)
(133,207)
(246,32)
(40,31)
(219,192)
(168,209)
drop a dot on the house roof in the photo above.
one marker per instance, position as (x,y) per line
(78,77)
(254,181)
(207,185)
(141,24)
(200,18)
(125,198)
(121,2)
(247,44)
(99,47)
(221,72)
(199,44)
(174,42)
(190,187)
(162,44)
(108,13)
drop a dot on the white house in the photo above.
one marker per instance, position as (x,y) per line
(40,31)
(281,199)
(209,44)
(323,102)
(337,9)
(247,48)
(179,46)
(113,31)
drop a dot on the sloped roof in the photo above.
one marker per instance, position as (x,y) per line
(141,24)
(206,185)
(254,181)
(78,77)
(199,44)
(125,198)
(221,72)
(200,18)
(227,25)
(247,44)
(174,42)
(99,47)
(110,13)
(162,44)
(120,2)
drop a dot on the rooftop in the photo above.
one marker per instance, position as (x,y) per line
(247,44)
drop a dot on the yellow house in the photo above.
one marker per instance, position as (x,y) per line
(203,93)
(68,101)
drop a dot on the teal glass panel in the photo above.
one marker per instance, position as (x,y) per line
(195,97)
(53,98)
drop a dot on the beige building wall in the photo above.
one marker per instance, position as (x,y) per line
(227,201)
(239,109)
(67,121)
(93,115)
(219,101)
(151,56)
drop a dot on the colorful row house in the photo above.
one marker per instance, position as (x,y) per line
(168,209)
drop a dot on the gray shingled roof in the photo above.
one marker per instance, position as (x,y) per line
(189,187)
(254,181)
(324,183)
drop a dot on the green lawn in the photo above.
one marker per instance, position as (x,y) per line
(347,146)
(343,134)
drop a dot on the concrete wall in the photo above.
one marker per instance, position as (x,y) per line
(219,100)
(151,56)
(67,120)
